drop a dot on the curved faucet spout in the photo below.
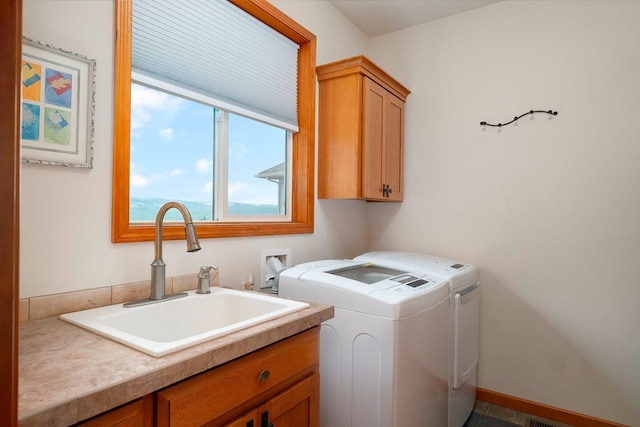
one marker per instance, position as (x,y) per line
(190,233)
(157,293)
(158,265)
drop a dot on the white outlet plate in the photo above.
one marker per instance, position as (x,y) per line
(283,254)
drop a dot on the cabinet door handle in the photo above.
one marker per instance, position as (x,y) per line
(264,375)
(265,420)
(386,190)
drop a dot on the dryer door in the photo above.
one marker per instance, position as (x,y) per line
(466,333)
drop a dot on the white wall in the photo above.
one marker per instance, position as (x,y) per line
(65,241)
(549,209)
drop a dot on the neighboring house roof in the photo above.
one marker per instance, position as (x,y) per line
(275,172)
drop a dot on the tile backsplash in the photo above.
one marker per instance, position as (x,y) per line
(55,304)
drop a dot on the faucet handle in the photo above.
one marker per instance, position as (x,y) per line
(205,269)
(204,279)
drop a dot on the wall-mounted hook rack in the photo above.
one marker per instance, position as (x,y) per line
(553,113)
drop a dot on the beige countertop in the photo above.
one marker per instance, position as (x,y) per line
(67,374)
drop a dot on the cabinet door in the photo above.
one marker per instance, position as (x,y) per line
(373,135)
(393,147)
(250,419)
(298,406)
(383,136)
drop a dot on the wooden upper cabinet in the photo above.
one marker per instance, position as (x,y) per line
(361,132)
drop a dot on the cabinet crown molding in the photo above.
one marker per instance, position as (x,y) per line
(362,65)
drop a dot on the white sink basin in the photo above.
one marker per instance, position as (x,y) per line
(164,327)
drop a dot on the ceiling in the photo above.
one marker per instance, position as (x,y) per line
(377,17)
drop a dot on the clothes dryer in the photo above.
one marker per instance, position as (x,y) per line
(464,317)
(384,356)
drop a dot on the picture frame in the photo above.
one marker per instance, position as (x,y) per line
(57,106)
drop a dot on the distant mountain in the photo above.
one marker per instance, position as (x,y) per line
(146,209)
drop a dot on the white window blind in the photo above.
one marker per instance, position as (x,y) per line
(214,48)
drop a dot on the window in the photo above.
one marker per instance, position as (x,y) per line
(296,149)
(220,165)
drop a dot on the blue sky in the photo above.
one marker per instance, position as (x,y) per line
(172,151)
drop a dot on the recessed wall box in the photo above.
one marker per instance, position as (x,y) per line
(268,269)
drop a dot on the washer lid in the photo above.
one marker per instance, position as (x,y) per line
(458,273)
(351,285)
(356,277)
(369,273)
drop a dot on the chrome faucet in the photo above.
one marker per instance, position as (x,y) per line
(158,265)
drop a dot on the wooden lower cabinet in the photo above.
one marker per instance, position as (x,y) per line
(277,386)
(296,406)
(249,419)
(138,413)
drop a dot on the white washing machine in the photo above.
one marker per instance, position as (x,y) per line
(464,321)
(384,356)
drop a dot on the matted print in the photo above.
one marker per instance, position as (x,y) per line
(58,106)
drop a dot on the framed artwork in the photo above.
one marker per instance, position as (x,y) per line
(58,106)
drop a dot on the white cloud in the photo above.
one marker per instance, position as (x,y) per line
(177,171)
(208,187)
(138,181)
(166,134)
(204,165)
(144,101)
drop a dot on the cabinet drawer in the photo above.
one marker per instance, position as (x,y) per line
(239,384)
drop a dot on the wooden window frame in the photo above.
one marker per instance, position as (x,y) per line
(303,156)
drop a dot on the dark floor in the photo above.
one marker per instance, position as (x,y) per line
(487,415)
